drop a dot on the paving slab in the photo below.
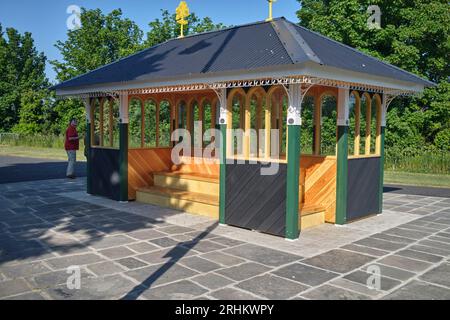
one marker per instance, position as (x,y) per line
(212,281)
(328,292)
(272,287)
(263,255)
(341,261)
(305,274)
(405,263)
(182,290)
(439,275)
(13,287)
(243,271)
(199,264)
(232,294)
(161,274)
(418,290)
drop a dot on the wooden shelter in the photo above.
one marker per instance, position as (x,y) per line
(264,76)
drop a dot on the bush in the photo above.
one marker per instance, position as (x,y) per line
(426,160)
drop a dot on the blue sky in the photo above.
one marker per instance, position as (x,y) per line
(46,19)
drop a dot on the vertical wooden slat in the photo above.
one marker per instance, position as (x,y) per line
(102,102)
(142,123)
(111,123)
(368,123)
(247,125)
(268,117)
(317,122)
(158,111)
(357,127)
(378,125)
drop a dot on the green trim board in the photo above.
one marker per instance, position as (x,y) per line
(123,161)
(381,185)
(222,181)
(87,145)
(342,175)
(292,182)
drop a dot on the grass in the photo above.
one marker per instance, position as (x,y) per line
(417,179)
(38,152)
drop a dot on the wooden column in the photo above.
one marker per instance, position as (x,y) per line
(378,128)
(111,122)
(383,111)
(342,156)
(368,123)
(293,162)
(317,122)
(101,106)
(247,125)
(268,126)
(224,124)
(123,147)
(357,142)
(158,112)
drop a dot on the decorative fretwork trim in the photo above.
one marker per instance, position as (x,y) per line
(245,84)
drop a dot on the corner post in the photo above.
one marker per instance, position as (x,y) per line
(123,147)
(293,161)
(342,156)
(384,106)
(223,121)
(87,144)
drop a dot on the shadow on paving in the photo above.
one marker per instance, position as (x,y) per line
(174,255)
(38,224)
(418,191)
(15,169)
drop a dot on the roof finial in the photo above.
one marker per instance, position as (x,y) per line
(182,13)
(270,9)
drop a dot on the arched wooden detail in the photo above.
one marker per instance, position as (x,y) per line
(207,116)
(164,138)
(319,106)
(274,110)
(260,96)
(240,94)
(368,116)
(357,137)
(150,122)
(136,122)
(378,106)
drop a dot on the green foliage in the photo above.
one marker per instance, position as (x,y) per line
(102,39)
(166,28)
(414,35)
(36,112)
(22,69)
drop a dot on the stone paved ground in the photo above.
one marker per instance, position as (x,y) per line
(136,251)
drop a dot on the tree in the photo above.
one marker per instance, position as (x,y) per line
(22,68)
(36,112)
(415,36)
(167,28)
(102,39)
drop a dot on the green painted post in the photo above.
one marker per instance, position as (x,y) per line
(223,166)
(293,172)
(123,161)
(342,175)
(87,144)
(381,187)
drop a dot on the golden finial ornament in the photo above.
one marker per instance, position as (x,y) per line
(182,13)
(270,9)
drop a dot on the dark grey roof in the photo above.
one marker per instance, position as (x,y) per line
(246,47)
